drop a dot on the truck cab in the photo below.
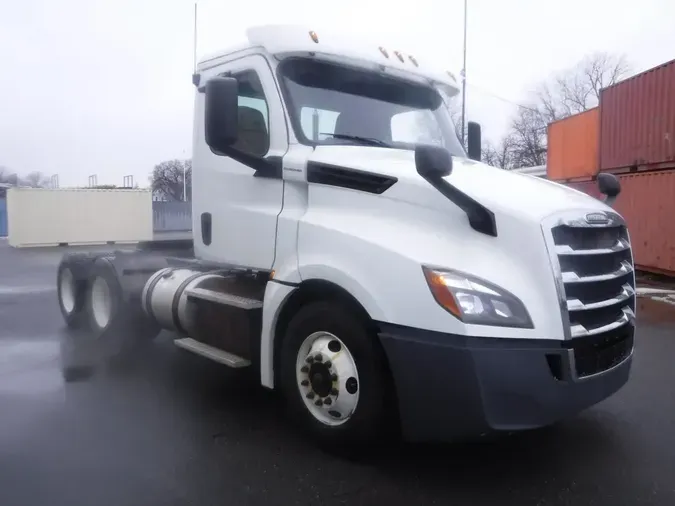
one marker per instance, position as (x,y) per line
(385,274)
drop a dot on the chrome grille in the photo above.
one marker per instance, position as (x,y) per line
(596,280)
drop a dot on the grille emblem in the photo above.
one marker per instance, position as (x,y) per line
(597,219)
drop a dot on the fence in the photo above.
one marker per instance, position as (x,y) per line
(172,216)
(3,217)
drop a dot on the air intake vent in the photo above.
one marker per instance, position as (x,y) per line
(353,179)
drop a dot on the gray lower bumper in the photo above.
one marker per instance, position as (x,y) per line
(449,387)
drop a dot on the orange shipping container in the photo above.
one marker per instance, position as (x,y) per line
(573,146)
(647,202)
(589,187)
(638,121)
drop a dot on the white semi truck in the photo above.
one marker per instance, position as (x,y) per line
(370,273)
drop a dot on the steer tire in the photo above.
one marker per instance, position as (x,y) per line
(116,319)
(368,422)
(71,287)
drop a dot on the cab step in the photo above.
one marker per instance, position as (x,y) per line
(215,354)
(226,299)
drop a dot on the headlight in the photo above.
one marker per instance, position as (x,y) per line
(474,300)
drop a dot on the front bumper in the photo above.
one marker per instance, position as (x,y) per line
(451,387)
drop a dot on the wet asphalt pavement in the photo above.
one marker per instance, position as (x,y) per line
(179,430)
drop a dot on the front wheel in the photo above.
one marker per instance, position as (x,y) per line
(334,375)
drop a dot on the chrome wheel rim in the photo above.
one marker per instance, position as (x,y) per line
(101,303)
(327,378)
(67,290)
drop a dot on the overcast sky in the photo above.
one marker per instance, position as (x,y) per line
(103,87)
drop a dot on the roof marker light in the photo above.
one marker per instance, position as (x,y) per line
(314,37)
(384,52)
(412,59)
(400,56)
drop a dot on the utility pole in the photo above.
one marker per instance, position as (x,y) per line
(464,84)
(194,56)
(194,71)
(184,181)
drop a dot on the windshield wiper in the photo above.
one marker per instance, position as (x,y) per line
(364,140)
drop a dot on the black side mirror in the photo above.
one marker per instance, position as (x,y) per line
(432,161)
(221,112)
(473,135)
(610,186)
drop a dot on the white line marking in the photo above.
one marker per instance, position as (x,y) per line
(643,290)
(23,290)
(670,299)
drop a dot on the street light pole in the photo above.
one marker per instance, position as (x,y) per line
(184,181)
(464,83)
(194,46)
(194,71)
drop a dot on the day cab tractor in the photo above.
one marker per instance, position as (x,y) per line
(349,251)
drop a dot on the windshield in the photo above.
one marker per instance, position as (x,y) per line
(335,104)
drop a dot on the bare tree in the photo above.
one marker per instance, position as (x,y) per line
(456,117)
(500,154)
(7,176)
(570,92)
(167,179)
(528,138)
(35,180)
(578,89)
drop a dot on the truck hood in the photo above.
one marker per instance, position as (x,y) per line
(501,191)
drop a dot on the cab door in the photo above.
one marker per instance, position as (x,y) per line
(235,210)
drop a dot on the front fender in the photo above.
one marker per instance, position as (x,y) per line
(349,281)
(356,253)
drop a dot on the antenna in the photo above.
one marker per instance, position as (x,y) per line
(194,58)
(464,83)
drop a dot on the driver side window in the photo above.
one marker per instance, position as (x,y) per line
(253,121)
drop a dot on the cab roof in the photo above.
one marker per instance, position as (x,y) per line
(294,40)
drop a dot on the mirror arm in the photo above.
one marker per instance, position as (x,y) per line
(268,167)
(609,201)
(480,217)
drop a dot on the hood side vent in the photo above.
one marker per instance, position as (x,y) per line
(344,177)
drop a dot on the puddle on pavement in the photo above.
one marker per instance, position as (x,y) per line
(29,367)
(656,310)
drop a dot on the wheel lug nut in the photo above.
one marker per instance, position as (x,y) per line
(334,377)
(334,391)
(304,369)
(318,402)
(309,360)
(310,395)
(328,401)
(318,358)
(304,383)
(328,363)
